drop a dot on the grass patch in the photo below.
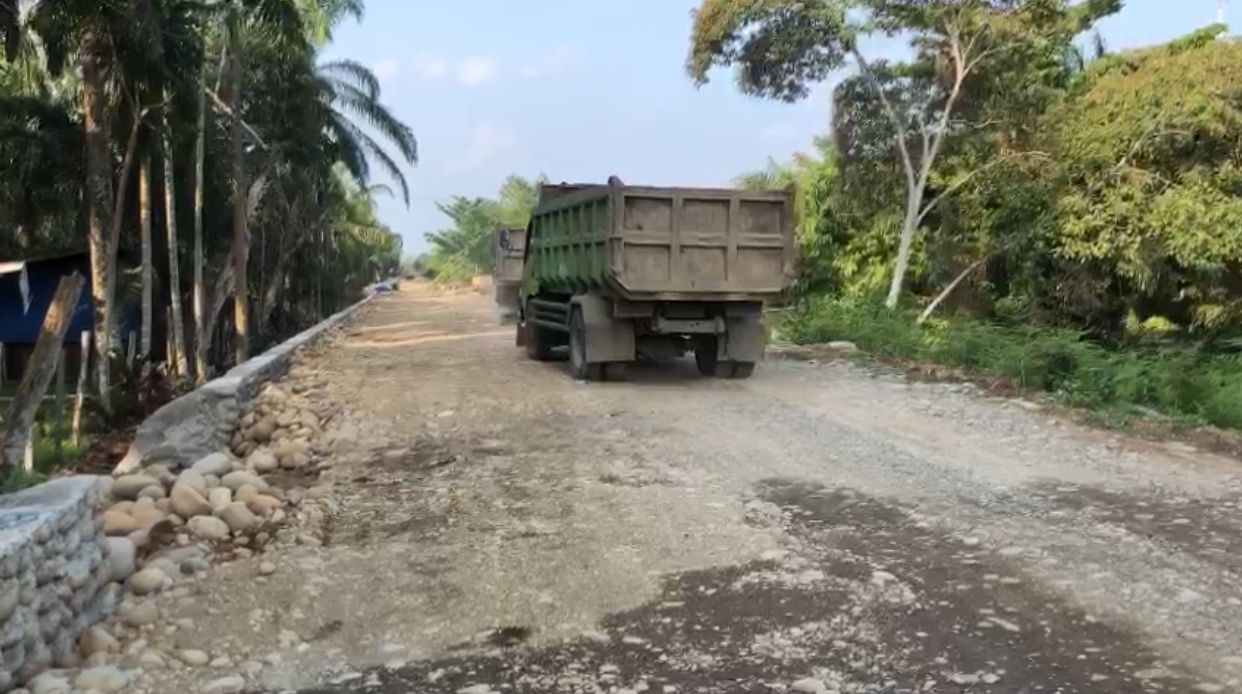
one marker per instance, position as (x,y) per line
(1182,383)
(49,458)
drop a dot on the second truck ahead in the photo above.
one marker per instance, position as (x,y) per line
(619,272)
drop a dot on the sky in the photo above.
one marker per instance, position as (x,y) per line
(580,90)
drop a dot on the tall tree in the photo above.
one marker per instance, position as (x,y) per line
(782,46)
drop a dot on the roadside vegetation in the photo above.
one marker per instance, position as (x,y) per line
(464,249)
(1014,200)
(219,172)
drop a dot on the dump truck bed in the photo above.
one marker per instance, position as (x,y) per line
(647,243)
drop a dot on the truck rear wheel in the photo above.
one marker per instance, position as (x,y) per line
(581,368)
(741,369)
(705,356)
(537,341)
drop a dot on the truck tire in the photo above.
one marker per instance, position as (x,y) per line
(741,369)
(705,356)
(582,369)
(537,341)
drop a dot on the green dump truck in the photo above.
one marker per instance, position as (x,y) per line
(619,272)
(509,248)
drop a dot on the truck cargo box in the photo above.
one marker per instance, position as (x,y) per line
(645,243)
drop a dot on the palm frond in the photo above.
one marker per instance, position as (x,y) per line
(353,73)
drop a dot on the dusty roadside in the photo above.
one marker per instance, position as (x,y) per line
(495,526)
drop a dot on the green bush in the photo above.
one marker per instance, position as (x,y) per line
(1179,382)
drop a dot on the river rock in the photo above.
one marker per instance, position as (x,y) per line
(97,640)
(50,683)
(239,518)
(155,491)
(188,502)
(136,614)
(262,504)
(217,464)
(234,480)
(219,498)
(116,523)
(225,685)
(193,657)
(263,429)
(105,678)
(147,516)
(147,581)
(192,479)
(245,493)
(128,486)
(208,528)
(122,553)
(262,461)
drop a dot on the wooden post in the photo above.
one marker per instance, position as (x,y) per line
(80,399)
(132,352)
(2,374)
(58,429)
(28,460)
(21,415)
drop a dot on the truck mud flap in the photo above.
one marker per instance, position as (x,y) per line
(607,339)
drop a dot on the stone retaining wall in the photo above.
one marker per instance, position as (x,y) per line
(54,581)
(199,422)
(59,574)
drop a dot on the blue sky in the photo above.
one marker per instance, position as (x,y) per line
(583,89)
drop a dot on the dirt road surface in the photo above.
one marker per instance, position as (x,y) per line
(818,528)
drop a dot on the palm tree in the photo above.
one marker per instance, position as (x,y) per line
(353,95)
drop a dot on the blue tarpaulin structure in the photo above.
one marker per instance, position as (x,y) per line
(26,290)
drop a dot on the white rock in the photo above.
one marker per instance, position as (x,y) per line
(97,640)
(122,553)
(208,528)
(151,658)
(263,504)
(136,614)
(240,519)
(193,657)
(194,480)
(188,502)
(118,523)
(217,464)
(155,491)
(147,581)
(235,480)
(225,685)
(50,683)
(219,498)
(128,486)
(809,685)
(267,568)
(262,461)
(105,678)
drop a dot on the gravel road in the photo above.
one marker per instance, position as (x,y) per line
(818,528)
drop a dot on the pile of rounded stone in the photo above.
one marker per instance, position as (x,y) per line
(222,506)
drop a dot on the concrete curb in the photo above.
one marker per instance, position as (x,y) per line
(190,427)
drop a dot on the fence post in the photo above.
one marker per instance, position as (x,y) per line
(2,373)
(16,434)
(58,431)
(28,460)
(84,362)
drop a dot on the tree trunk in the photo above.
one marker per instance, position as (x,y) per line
(931,308)
(177,359)
(202,331)
(99,203)
(148,272)
(39,371)
(908,226)
(241,239)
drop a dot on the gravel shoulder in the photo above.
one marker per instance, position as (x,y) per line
(495,526)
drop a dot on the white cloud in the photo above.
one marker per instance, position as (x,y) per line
(556,61)
(486,143)
(430,67)
(386,69)
(476,71)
